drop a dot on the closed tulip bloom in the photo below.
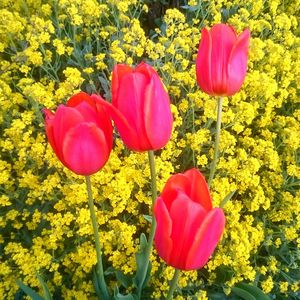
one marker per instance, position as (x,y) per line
(188,227)
(222,58)
(80,133)
(140,107)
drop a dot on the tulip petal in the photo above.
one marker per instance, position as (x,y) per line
(206,239)
(131,96)
(198,191)
(145,69)
(88,112)
(157,114)
(103,117)
(85,149)
(173,186)
(186,217)
(203,62)
(237,65)
(223,38)
(80,97)
(162,239)
(127,133)
(64,119)
(49,117)
(119,71)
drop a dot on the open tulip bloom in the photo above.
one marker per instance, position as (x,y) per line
(140,107)
(80,133)
(188,227)
(221,63)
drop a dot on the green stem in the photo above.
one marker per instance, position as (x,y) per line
(100,273)
(153,223)
(217,142)
(173,284)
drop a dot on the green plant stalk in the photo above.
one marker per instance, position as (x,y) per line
(173,284)
(217,142)
(153,223)
(99,268)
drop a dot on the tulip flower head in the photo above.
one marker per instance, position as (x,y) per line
(80,133)
(222,58)
(188,227)
(140,107)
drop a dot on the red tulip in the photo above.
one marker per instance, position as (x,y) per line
(188,228)
(80,133)
(221,63)
(140,107)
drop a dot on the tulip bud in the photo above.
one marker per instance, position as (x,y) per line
(140,107)
(222,58)
(80,133)
(188,228)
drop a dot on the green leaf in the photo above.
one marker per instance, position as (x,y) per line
(253,290)
(224,273)
(217,296)
(29,291)
(101,290)
(119,296)
(47,293)
(147,278)
(141,261)
(125,280)
(243,294)
(143,242)
(148,218)
(123,297)
(96,283)
(227,198)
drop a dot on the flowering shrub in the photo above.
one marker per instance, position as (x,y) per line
(51,50)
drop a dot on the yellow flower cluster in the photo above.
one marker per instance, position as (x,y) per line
(51,49)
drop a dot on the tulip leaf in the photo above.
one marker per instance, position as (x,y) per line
(47,293)
(227,198)
(100,288)
(123,297)
(119,296)
(217,296)
(125,280)
(96,284)
(105,87)
(29,291)
(148,218)
(253,290)
(190,8)
(227,13)
(140,279)
(243,294)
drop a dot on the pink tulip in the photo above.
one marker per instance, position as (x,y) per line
(221,63)
(80,133)
(140,107)
(188,228)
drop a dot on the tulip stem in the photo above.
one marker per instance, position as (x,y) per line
(153,176)
(217,142)
(99,269)
(173,284)
(153,223)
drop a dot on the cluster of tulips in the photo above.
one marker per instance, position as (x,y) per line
(185,227)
